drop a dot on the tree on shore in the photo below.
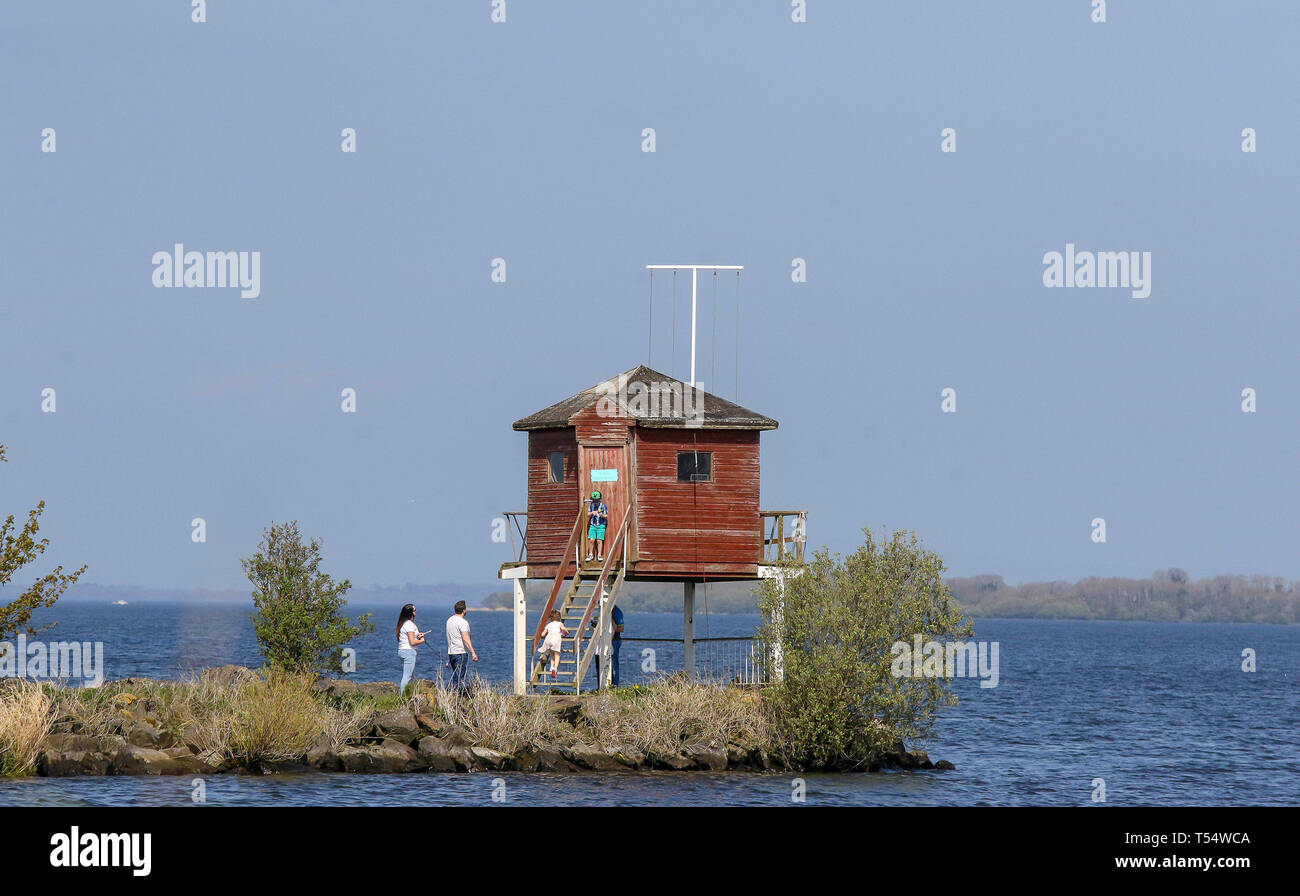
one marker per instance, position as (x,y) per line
(299,621)
(840,705)
(19,547)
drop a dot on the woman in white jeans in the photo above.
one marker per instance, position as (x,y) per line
(408,638)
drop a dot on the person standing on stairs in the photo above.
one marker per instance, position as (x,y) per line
(597,518)
(553,641)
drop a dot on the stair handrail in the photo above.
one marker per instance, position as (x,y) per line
(610,554)
(582,658)
(568,557)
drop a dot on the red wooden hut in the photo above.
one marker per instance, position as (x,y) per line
(679,471)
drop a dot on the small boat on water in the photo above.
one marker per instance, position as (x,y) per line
(119,603)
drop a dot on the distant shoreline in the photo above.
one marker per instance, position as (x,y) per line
(1165,596)
(1020,617)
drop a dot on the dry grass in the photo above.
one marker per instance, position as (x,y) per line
(500,721)
(675,712)
(274,719)
(662,717)
(347,723)
(26,714)
(278,717)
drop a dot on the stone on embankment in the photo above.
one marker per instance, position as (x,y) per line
(142,734)
(921,759)
(321,755)
(440,755)
(135,760)
(70,755)
(67,725)
(673,762)
(708,758)
(399,724)
(592,758)
(390,756)
(627,756)
(455,736)
(491,760)
(543,757)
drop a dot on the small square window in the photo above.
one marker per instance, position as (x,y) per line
(555,467)
(694,466)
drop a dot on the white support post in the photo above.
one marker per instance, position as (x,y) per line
(782,576)
(606,644)
(521,638)
(778,624)
(688,627)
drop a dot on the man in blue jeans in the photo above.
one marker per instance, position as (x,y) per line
(459,647)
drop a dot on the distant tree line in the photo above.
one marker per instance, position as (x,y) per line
(1166,596)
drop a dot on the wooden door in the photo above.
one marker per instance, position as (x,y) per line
(604,468)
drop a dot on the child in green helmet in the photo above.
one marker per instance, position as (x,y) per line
(597,517)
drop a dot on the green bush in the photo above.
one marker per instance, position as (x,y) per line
(19,547)
(839,706)
(299,622)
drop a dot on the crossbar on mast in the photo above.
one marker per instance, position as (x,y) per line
(695,270)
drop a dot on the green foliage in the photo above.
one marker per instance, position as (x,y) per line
(839,705)
(299,623)
(19,547)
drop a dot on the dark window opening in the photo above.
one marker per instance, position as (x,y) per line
(694,466)
(555,467)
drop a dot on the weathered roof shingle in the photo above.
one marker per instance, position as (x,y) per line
(653,399)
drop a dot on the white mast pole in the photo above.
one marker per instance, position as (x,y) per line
(695,275)
(695,271)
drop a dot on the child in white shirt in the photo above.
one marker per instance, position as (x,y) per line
(551,641)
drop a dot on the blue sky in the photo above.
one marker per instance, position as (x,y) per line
(774,141)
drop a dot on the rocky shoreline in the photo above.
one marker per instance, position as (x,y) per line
(407,738)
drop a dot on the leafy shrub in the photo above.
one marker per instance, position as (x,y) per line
(839,705)
(299,623)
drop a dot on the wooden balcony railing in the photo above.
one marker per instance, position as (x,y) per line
(517,521)
(777,535)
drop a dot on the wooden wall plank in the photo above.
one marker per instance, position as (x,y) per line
(552,507)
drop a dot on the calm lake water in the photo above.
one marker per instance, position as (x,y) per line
(1162,712)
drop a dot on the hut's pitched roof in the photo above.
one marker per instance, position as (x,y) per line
(696,408)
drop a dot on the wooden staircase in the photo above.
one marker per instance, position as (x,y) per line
(578,608)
